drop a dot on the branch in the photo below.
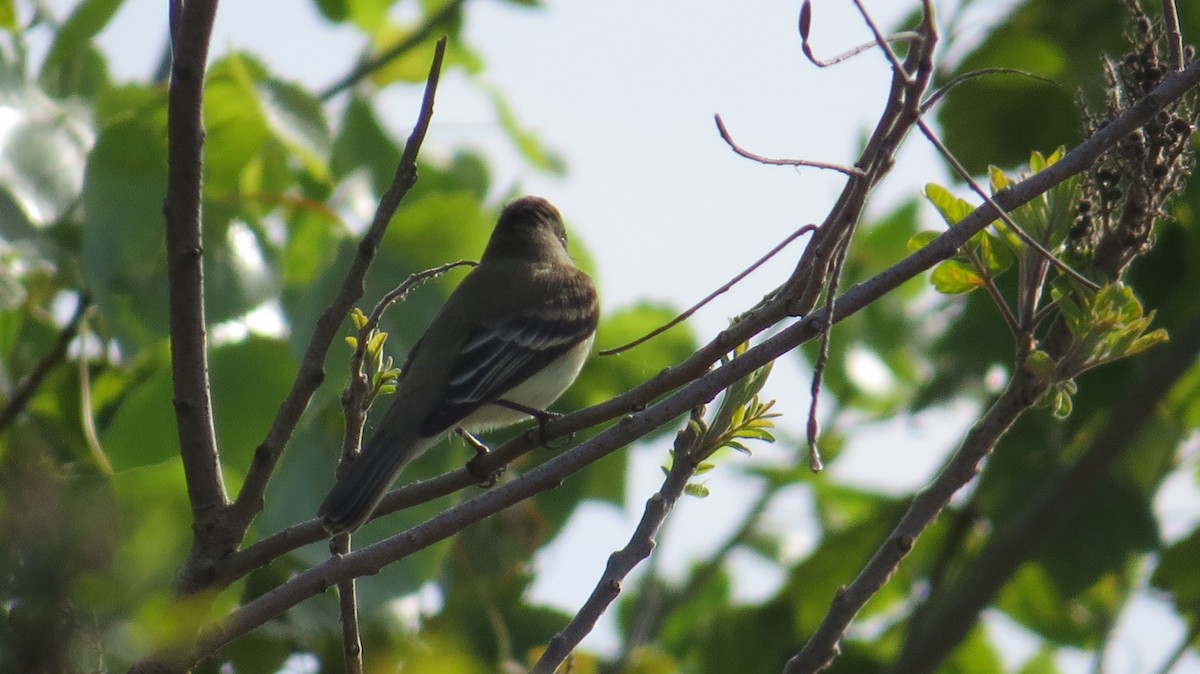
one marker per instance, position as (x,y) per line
(941,92)
(806,29)
(30,383)
(634,401)
(312,372)
(848,170)
(191,30)
(1173,36)
(370,64)
(711,296)
(1022,392)
(348,609)
(641,544)
(952,611)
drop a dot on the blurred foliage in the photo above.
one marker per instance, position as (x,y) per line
(94,516)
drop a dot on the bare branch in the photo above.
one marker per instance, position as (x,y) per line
(620,563)
(952,610)
(711,296)
(946,88)
(191,30)
(1174,37)
(848,170)
(1022,392)
(806,29)
(348,609)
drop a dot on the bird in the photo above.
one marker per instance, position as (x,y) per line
(510,339)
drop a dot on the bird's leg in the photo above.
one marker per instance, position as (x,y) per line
(542,416)
(481,450)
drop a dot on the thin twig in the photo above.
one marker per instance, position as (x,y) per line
(348,609)
(312,373)
(30,383)
(641,544)
(805,26)
(1004,215)
(1174,37)
(87,419)
(414,280)
(813,426)
(848,170)
(358,395)
(711,296)
(881,41)
(976,74)
(1022,392)
(370,64)
(953,609)
(989,284)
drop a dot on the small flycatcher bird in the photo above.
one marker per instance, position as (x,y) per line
(516,330)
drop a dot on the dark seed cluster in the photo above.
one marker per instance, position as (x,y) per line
(1127,191)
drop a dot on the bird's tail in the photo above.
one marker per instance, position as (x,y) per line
(363,482)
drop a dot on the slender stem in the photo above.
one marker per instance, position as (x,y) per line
(848,170)
(348,609)
(191,30)
(620,563)
(1174,37)
(711,296)
(953,609)
(1022,392)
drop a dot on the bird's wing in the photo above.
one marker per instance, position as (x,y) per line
(496,356)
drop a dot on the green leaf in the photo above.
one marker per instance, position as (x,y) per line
(1176,574)
(363,142)
(73,66)
(249,379)
(8,16)
(999,180)
(297,120)
(951,208)
(123,191)
(525,141)
(954,277)
(236,128)
(1042,365)
(995,256)
(697,490)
